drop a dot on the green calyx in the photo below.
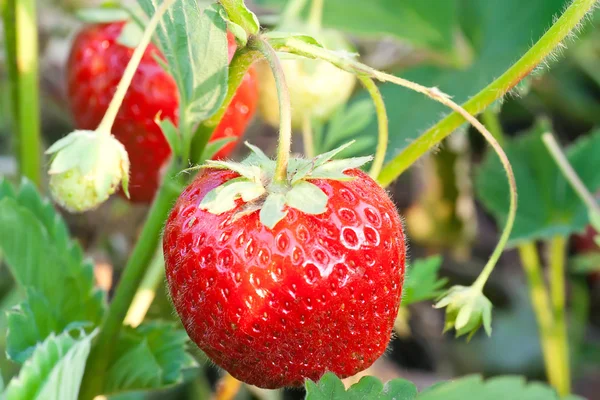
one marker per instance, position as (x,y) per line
(86,168)
(258,190)
(467,309)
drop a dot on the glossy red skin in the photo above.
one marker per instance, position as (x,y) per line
(317,293)
(95,67)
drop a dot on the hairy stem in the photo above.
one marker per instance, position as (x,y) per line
(540,301)
(552,39)
(302,48)
(569,173)
(558,252)
(113,108)
(492,122)
(147,290)
(382,125)
(307,136)
(139,259)
(285,111)
(238,67)
(21,36)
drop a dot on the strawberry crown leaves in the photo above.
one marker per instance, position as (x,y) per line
(255,186)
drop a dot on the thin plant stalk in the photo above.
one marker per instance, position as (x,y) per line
(307,136)
(20,25)
(540,301)
(558,252)
(285,110)
(302,48)
(569,173)
(546,45)
(382,126)
(147,290)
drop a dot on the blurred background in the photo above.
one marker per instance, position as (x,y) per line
(460,46)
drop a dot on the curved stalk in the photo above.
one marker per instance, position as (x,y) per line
(113,108)
(551,40)
(285,111)
(382,125)
(302,48)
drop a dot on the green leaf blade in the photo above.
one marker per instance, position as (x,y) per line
(54,371)
(548,205)
(150,356)
(39,253)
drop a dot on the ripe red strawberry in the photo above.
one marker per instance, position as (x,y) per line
(95,67)
(274,306)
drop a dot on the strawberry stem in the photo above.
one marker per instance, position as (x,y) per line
(553,38)
(20,31)
(382,124)
(111,113)
(540,301)
(285,112)
(316,15)
(307,136)
(102,352)
(558,251)
(570,174)
(300,47)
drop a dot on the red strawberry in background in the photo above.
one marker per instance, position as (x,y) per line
(94,69)
(315,293)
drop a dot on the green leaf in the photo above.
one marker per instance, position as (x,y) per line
(214,147)
(547,205)
(307,198)
(223,198)
(240,15)
(430,24)
(101,15)
(335,169)
(303,168)
(421,281)
(54,371)
(194,42)
(39,253)
(330,387)
(347,122)
(150,356)
(250,172)
(130,35)
(586,263)
(272,210)
(171,133)
(498,388)
(277,38)
(499,31)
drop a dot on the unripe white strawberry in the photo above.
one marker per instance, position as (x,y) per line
(87,167)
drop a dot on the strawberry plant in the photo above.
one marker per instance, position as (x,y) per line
(289,271)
